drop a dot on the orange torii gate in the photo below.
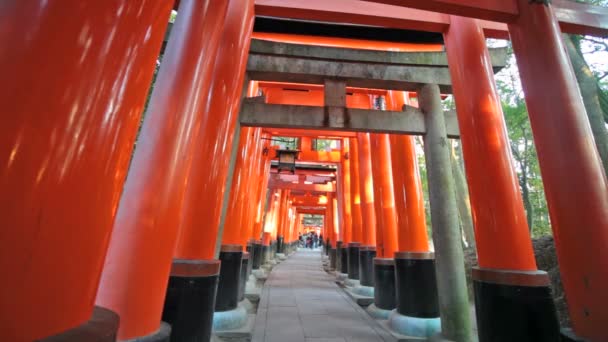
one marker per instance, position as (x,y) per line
(69,169)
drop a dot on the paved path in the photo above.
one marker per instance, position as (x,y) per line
(302,303)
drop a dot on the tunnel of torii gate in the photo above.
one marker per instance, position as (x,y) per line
(103,239)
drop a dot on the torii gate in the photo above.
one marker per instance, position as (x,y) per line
(68,167)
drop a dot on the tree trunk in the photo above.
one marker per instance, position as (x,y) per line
(591,98)
(462,199)
(525,194)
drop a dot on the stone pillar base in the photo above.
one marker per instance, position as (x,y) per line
(190,299)
(514,306)
(568,335)
(378,313)
(366,291)
(231,319)
(351,282)
(101,327)
(341,277)
(413,326)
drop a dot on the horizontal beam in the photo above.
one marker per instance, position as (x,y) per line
(573,17)
(414,14)
(493,10)
(296,133)
(410,121)
(434,59)
(363,75)
(408,71)
(366,13)
(274,184)
(578,18)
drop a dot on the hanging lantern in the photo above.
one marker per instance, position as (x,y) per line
(287,160)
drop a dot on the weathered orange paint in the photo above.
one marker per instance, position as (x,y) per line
(235,226)
(366,186)
(75,79)
(573,176)
(355,193)
(409,199)
(501,229)
(150,209)
(384,196)
(209,170)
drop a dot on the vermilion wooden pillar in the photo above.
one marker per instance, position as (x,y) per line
(283,223)
(336,224)
(75,78)
(254,181)
(498,210)
(355,193)
(384,196)
(366,186)
(575,185)
(262,191)
(347,195)
(409,199)
(504,248)
(210,164)
(178,175)
(235,229)
(329,218)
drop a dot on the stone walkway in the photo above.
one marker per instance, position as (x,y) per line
(302,303)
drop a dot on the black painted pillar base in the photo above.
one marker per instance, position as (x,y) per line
(353,260)
(257,255)
(250,250)
(416,285)
(338,256)
(514,306)
(265,254)
(332,259)
(280,244)
(366,265)
(344,260)
(273,246)
(190,299)
(384,284)
(101,327)
(231,257)
(245,264)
